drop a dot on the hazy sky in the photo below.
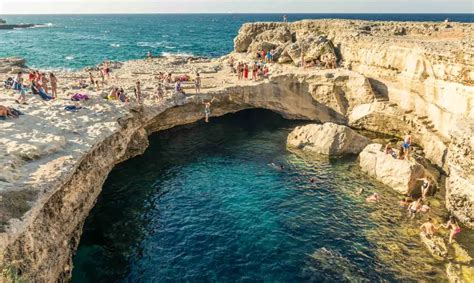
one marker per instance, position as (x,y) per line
(242,6)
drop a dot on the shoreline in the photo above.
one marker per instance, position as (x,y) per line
(68,169)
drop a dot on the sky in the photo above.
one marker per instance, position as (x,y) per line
(234,6)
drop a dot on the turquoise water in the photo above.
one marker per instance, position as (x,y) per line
(76,41)
(202,204)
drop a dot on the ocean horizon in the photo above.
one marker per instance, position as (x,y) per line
(75,41)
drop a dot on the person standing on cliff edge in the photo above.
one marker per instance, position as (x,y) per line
(285,18)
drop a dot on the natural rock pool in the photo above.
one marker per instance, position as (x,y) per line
(202,204)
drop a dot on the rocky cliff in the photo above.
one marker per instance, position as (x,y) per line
(395,77)
(422,75)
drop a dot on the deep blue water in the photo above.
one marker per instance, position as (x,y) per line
(76,41)
(203,205)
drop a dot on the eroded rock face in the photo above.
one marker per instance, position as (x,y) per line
(401,175)
(460,183)
(328,139)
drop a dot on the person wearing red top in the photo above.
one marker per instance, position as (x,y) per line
(246,71)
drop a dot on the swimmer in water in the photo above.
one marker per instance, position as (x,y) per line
(278,167)
(373,198)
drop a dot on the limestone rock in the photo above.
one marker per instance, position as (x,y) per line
(435,245)
(460,183)
(401,175)
(313,47)
(329,139)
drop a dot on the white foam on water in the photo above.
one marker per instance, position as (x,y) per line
(70,57)
(115,45)
(176,54)
(47,25)
(150,44)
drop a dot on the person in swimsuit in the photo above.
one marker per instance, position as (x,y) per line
(373,198)
(428,228)
(414,207)
(138,92)
(44,83)
(54,85)
(401,153)
(207,109)
(197,83)
(404,202)
(389,150)
(454,228)
(425,187)
(407,142)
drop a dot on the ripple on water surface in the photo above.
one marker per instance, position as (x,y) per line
(202,204)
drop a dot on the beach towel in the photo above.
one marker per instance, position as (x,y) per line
(72,108)
(79,97)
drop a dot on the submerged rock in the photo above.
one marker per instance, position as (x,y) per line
(329,139)
(435,245)
(401,175)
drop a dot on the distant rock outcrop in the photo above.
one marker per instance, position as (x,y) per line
(328,139)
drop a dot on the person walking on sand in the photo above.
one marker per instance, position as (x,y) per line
(138,92)
(428,228)
(454,228)
(207,109)
(197,83)
(54,85)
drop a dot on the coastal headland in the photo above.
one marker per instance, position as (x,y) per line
(390,78)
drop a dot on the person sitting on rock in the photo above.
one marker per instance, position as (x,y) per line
(373,198)
(425,208)
(389,150)
(428,228)
(6,112)
(113,95)
(414,207)
(454,228)
(401,153)
(178,88)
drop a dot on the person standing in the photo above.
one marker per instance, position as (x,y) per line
(44,83)
(138,92)
(54,85)
(246,71)
(285,18)
(428,228)
(454,228)
(197,83)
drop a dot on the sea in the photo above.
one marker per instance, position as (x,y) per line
(71,42)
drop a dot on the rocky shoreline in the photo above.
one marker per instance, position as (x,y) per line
(394,77)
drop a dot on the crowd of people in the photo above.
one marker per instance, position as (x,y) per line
(416,205)
(256,71)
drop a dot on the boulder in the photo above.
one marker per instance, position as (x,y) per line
(460,183)
(435,245)
(401,175)
(313,48)
(258,46)
(328,138)
(278,35)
